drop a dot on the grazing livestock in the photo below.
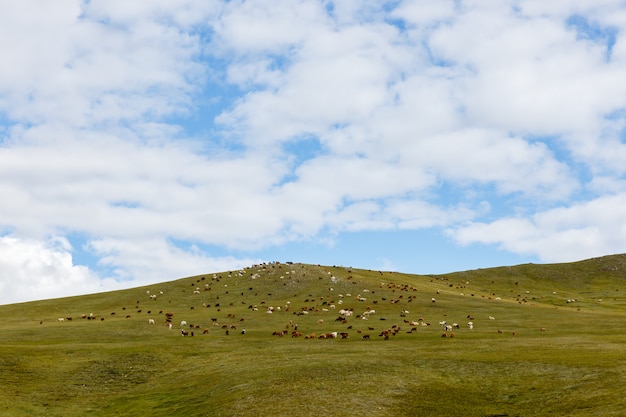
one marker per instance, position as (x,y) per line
(150,321)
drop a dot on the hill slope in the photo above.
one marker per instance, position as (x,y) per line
(545,340)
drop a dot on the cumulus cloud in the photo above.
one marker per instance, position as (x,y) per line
(153,260)
(31,270)
(160,129)
(582,230)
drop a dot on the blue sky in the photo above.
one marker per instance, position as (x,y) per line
(146,141)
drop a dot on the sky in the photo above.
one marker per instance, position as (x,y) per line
(145,141)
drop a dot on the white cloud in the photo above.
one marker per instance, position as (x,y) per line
(81,71)
(483,156)
(334,76)
(530,75)
(575,232)
(31,270)
(154,260)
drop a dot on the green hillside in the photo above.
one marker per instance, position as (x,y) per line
(545,340)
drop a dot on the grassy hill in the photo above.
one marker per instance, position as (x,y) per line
(546,340)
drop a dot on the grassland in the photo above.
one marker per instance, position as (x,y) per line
(556,345)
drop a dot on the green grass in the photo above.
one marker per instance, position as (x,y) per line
(506,366)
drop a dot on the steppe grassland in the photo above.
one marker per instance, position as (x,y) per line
(125,366)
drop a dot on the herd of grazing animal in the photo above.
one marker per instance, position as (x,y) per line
(336,308)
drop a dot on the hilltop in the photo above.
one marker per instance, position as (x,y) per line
(291,339)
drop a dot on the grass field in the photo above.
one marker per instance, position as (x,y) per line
(555,345)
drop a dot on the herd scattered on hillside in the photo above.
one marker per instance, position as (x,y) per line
(334,314)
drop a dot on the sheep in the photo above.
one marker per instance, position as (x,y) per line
(150,321)
(183,323)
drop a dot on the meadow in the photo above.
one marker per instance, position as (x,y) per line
(546,340)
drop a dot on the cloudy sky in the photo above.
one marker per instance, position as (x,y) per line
(144,141)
